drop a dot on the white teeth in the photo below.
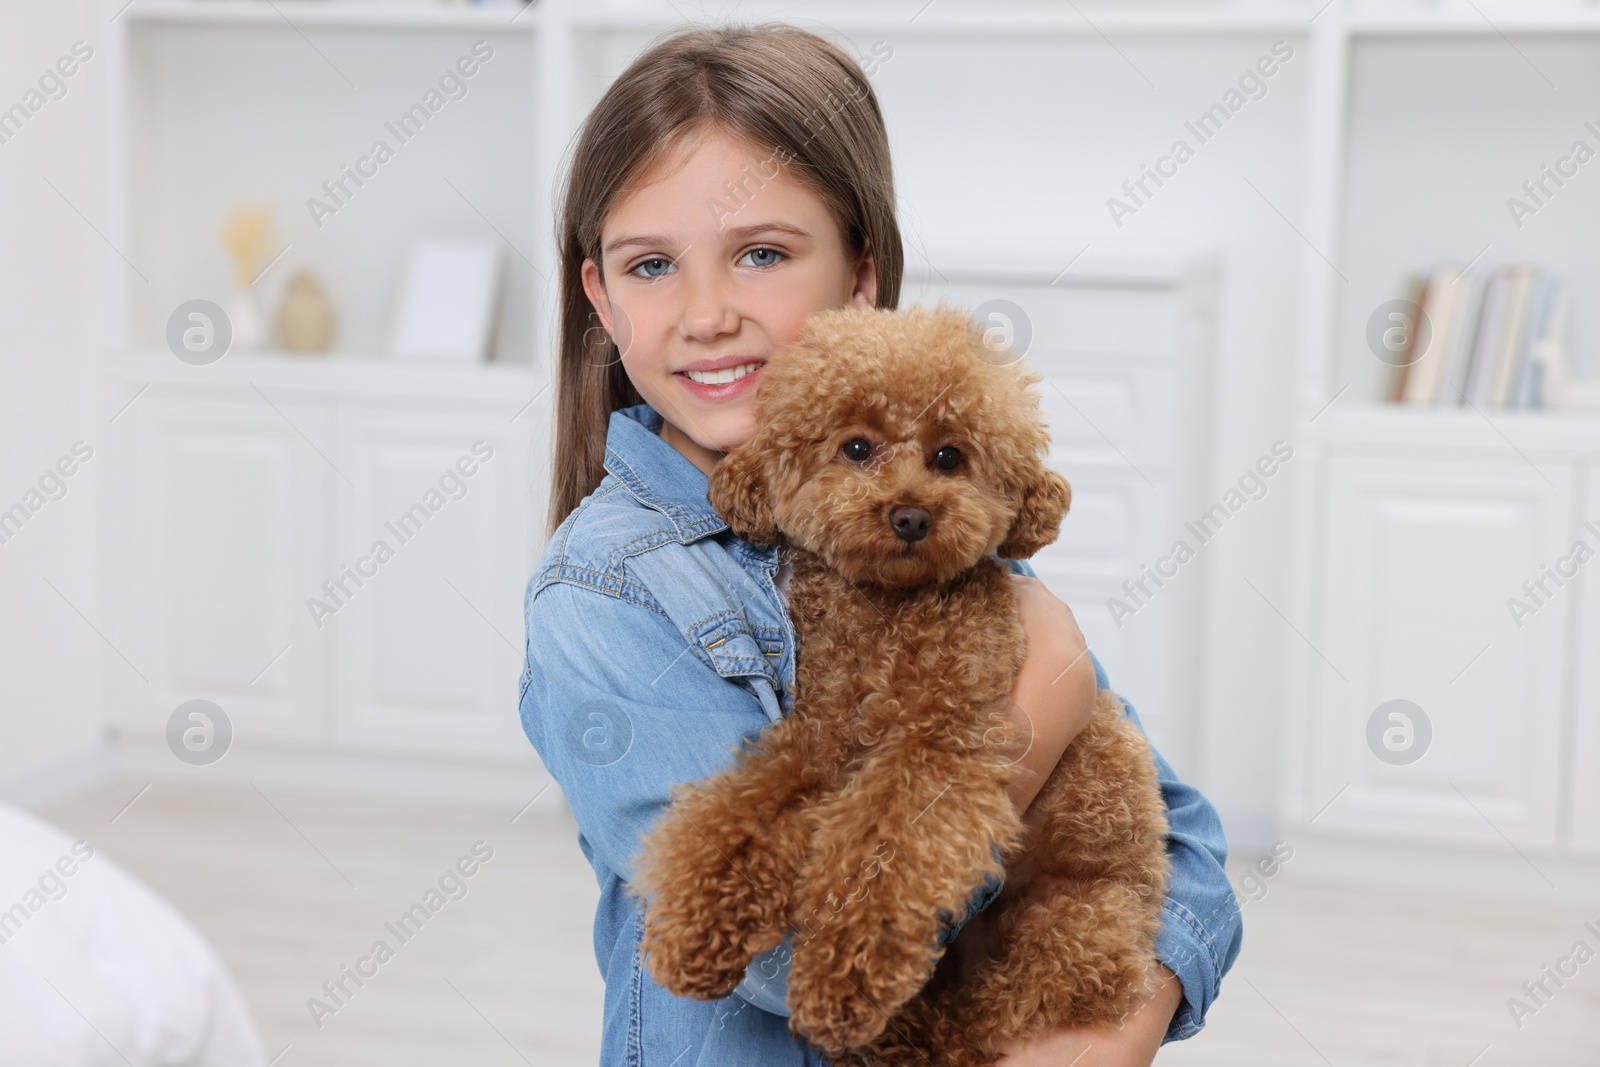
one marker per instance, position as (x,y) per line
(720,377)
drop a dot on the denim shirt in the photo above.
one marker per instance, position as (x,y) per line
(657,643)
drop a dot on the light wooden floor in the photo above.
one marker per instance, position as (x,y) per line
(290,887)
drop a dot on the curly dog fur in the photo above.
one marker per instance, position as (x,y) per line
(865,819)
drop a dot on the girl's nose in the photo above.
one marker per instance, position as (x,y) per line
(708,313)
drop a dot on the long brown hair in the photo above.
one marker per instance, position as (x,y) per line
(775,85)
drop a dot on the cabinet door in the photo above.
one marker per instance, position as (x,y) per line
(1106,538)
(1421,557)
(433,551)
(218,513)
(1585,769)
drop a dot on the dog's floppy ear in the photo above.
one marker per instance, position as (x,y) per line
(1045,500)
(739,493)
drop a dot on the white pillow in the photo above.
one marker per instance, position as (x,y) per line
(96,969)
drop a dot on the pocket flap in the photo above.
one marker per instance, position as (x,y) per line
(726,642)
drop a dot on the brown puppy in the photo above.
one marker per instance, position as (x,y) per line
(894,456)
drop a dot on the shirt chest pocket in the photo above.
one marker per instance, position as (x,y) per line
(741,652)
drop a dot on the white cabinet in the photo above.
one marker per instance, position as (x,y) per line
(337,563)
(1421,557)
(1418,525)
(216,516)
(431,638)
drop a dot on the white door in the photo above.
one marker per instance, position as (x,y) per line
(218,511)
(1421,558)
(434,545)
(1585,766)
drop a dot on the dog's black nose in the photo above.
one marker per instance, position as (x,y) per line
(910,523)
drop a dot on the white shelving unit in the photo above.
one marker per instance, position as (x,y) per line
(242,489)
(1416,525)
(302,86)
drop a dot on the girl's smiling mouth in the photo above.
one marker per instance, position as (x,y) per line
(721,378)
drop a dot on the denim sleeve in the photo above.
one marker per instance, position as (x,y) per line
(621,710)
(619,723)
(1203,929)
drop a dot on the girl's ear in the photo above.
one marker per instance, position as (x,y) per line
(1045,501)
(739,493)
(864,291)
(594,287)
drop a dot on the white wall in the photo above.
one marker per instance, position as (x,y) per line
(51,264)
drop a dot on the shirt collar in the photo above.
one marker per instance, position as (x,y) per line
(658,475)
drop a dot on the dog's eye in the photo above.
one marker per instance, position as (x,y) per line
(947,458)
(857,450)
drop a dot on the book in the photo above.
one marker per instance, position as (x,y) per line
(1494,341)
(1486,349)
(1518,298)
(1463,340)
(1415,290)
(1422,382)
(1524,390)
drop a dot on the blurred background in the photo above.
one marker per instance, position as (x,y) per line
(1313,288)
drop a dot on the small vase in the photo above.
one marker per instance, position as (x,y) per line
(305,320)
(247,330)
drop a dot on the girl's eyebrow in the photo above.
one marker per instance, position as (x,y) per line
(657,239)
(742,232)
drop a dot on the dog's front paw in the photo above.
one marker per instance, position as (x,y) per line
(694,950)
(714,902)
(849,979)
(832,1015)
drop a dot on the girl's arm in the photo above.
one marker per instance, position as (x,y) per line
(1203,930)
(1054,689)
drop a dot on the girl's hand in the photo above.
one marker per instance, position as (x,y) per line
(1133,1044)
(1054,692)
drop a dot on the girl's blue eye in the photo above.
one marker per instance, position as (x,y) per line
(654,267)
(772,256)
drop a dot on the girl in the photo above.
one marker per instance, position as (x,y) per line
(728,184)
